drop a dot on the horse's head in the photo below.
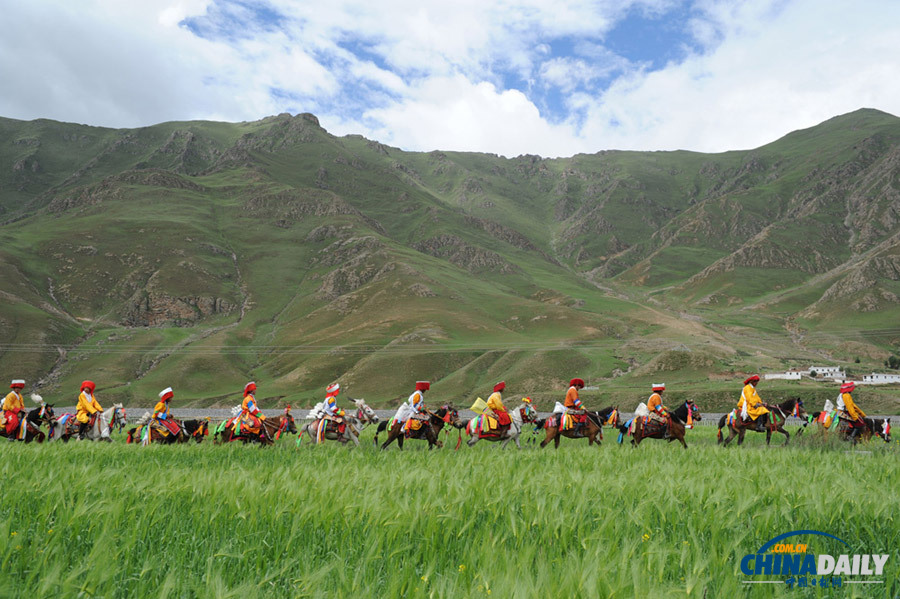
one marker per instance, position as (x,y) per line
(118,419)
(449,415)
(364,413)
(287,423)
(695,411)
(43,414)
(528,413)
(610,416)
(882,428)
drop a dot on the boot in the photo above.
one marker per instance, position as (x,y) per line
(854,432)
(82,430)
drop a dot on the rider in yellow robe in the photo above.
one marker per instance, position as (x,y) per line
(14,411)
(87,407)
(852,412)
(161,411)
(750,398)
(495,404)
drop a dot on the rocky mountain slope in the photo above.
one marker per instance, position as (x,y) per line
(200,254)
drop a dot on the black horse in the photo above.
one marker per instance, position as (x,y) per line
(36,417)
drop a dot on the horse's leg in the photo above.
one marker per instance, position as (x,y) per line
(472,440)
(741,433)
(768,435)
(681,438)
(719,436)
(787,435)
(550,434)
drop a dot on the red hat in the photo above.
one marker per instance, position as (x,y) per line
(332,390)
(752,379)
(88,385)
(848,387)
(249,388)
(500,386)
(658,387)
(17,384)
(423,385)
(575,382)
(166,394)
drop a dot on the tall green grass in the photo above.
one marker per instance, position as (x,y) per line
(203,521)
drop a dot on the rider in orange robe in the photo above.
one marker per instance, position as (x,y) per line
(14,410)
(572,403)
(250,415)
(655,405)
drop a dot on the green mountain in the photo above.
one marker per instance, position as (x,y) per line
(201,255)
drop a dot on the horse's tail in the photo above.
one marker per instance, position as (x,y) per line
(381,427)
(130,437)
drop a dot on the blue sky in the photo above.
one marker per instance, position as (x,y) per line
(508,77)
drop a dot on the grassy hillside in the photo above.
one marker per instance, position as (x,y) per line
(201,255)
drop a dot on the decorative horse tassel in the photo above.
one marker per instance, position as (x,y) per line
(690,419)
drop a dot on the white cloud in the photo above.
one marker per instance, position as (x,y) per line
(436,75)
(452,113)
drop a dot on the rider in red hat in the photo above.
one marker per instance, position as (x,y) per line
(14,411)
(495,404)
(852,412)
(87,407)
(573,403)
(751,404)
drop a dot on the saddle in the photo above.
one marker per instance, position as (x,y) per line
(654,426)
(168,426)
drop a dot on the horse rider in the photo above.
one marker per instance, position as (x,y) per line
(416,406)
(250,414)
(14,411)
(655,406)
(850,411)
(495,404)
(573,404)
(87,408)
(161,411)
(333,412)
(750,404)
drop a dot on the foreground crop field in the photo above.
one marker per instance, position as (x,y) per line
(204,521)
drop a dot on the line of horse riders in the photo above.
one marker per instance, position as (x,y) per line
(413,420)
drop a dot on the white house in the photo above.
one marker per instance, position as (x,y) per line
(827,372)
(790,375)
(880,379)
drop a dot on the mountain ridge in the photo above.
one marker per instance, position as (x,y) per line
(195,248)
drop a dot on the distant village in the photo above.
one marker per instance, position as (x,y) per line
(832,373)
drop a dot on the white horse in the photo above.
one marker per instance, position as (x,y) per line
(524,413)
(114,416)
(355,424)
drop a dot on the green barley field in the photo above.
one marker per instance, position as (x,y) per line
(101,520)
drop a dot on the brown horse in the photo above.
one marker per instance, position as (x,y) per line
(267,431)
(773,421)
(675,426)
(590,429)
(429,430)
